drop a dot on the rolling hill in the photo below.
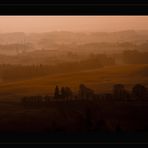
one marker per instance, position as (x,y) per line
(101,80)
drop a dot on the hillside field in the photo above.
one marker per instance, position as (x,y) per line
(101,80)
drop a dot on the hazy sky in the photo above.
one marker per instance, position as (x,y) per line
(71,23)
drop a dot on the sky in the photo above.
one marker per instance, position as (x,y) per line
(37,24)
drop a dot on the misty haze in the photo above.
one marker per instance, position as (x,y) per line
(73,74)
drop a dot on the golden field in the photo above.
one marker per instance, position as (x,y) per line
(101,80)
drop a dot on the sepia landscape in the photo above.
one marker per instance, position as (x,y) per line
(73,79)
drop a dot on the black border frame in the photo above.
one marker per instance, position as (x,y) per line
(74,9)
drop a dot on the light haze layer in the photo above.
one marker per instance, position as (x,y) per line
(39,24)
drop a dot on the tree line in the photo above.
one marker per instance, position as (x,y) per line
(134,57)
(119,93)
(12,72)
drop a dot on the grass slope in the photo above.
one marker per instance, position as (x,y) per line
(101,80)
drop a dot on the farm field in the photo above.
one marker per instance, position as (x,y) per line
(101,80)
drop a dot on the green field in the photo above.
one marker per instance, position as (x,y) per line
(101,80)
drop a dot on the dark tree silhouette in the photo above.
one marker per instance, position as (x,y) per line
(56,92)
(139,91)
(63,92)
(85,93)
(68,92)
(82,90)
(119,92)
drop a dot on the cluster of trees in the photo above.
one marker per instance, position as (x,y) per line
(135,57)
(119,92)
(85,92)
(18,72)
(93,61)
(64,93)
(139,92)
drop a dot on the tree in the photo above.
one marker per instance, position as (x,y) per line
(139,91)
(119,92)
(68,92)
(85,92)
(63,92)
(56,92)
(82,91)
